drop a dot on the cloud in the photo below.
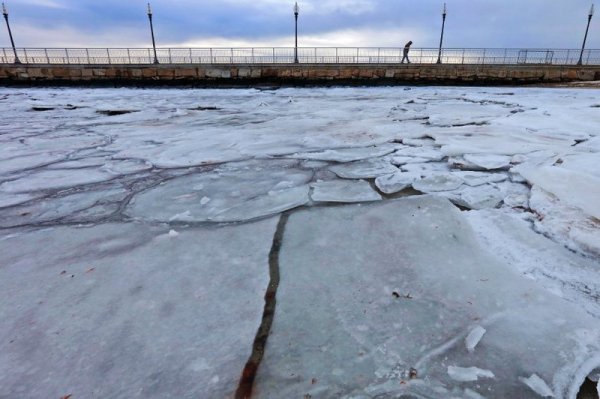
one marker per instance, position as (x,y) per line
(369,37)
(123,23)
(46,3)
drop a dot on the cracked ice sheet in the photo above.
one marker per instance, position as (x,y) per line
(146,314)
(352,337)
(232,192)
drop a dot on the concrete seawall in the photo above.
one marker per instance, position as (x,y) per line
(292,74)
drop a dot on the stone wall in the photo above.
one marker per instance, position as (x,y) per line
(294,74)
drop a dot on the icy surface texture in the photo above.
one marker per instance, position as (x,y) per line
(129,311)
(156,167)
(366,307)
(234,192)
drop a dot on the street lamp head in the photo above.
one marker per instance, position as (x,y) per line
(444,12)
(296,9)
(4,11)
(149,9)
(591,14)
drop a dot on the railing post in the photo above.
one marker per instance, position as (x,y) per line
(108,56)
(25,52)
(463,57)
(4,59)
(357,52)
(378,54)
(170,59)
(273,55)
(483,57)
(128,56)
(191,60)
(67,56)
(210,53)
(46,54)
(337,58)
(231,56)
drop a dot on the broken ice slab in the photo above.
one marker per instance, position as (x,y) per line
(369,169)
(237,192)
(396,328)
(489,161)
(393,183)
(55,179)
(566,224)
(438,182)
(474,179)
(427,168)
(480,197)
(343,191)
(101,203)
(346,154)
(398,161)
(534,255)
(574,187)
(421,152)
(130,311)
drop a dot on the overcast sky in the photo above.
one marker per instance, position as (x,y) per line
(213,23)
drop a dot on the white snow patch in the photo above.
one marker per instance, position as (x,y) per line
(538,385)
(464,374)
(474,337)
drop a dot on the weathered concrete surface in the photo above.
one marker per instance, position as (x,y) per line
(295,74)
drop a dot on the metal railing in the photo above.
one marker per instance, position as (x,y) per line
(285,55)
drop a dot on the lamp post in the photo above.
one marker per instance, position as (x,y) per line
(590,15)
(439,60)
(296,12)
(152,33)
(12,42)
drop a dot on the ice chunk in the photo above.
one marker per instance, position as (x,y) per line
(343,191)
(475,179)
(405,159)
(428,168)
(419,142)
(10,199)
(346,154)
(538,385)
(555,267)
(252,187)
(126,166)
(480,197)
(576,188)
(364,169)
(566,224)
(474,337)
(101,301)
(79,207)
(420,152)
(438,182)
(395,182)
(54,179)
(465,374)
(489,161)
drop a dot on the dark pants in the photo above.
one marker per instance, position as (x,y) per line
(405,57)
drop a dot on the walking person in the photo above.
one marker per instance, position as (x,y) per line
(406,50)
